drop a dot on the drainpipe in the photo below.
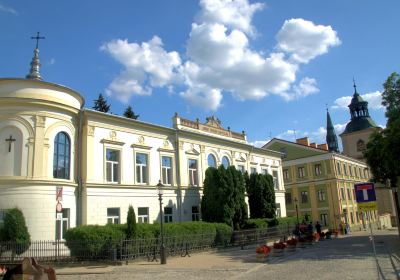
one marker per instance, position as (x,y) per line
(79,169)
(178,176)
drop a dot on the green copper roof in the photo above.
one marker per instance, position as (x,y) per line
(358,124)
(331,138)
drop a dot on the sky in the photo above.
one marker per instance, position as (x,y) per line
(271,68)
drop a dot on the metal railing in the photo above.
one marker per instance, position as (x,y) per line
(146,248)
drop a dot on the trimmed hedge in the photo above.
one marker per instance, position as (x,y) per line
(264,223)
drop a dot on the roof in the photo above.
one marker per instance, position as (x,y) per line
(359,123)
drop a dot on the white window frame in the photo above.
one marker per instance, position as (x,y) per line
(253,168)
(321,195)
(339,168)
(264,171)
(168,218)
(286,174)
(318,169)
(278,210)
(60,220)
(143,218)
(241,168)
(324,219)
(114,217)
(193,174)
(113,163)
(276,179)
(302,197)
(301,171)
(165,169)
(141,166)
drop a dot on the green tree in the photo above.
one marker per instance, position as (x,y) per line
(100,104)
(130,114)
(131,229)
(261,195)
(15,231)
(382,152)
(210,202)
(239,203)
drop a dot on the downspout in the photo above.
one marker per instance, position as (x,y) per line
(79,170)
(178,176)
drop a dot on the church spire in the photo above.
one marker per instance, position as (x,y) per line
(34,72)
(331,138)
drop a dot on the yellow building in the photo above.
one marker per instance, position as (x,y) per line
(320,183)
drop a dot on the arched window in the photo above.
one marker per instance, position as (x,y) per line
(211,161)
(62,156)
(225,161)
(360,145)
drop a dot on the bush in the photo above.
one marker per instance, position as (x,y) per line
(15,231)
(131,223)
(256,223)
(223,234)
(93,241)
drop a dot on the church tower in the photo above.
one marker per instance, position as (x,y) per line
(331,138)
(360,127)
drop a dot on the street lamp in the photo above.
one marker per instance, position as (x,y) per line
(297,211)
(162,245)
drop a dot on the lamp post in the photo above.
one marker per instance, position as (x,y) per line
(297,210)
(162,245)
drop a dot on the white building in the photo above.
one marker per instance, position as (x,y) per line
(64,165)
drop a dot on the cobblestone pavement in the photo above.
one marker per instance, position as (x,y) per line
(349,257)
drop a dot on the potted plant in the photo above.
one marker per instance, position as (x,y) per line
(262,251)
(291,243)
(278,248)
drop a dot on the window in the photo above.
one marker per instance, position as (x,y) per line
(360,173)
(212,162)
(342,194)
(352,217)
(193,179)
(288,198)
(339,170)
(166,166)
(348,194)
(278,210)
(168,214)
(351,170)
(345,169)
(304,197)
(318,169)
(195,213)
(241,168)
(360,145)
(143,215)
(253,170)
(62,223)
(112,165)
(321,195)
(264,171)
(366,173)
(283,151)
(324,219)
(286,174)
(301,172)
(276,179)
(225,161)
(62,156)
(141,168)
(113,216)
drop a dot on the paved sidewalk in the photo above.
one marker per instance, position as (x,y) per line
(348,257)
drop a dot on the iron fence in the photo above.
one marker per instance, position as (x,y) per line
(147,248)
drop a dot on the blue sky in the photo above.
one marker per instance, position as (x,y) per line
(266,67)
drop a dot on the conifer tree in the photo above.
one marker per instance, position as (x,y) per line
(131,223)
(16,231)
(130,114)
(100,104)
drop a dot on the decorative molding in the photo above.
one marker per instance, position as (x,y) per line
(112,142)
(264,164)
(113,135)
(166,144)
(202,148)
(168,150)
(40,121)
(91,130)
(138,146)
(141,140)
(181,143)
(192,152)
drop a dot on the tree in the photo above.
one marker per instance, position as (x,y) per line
(383,148)
(15,231)
(131,223)
(261,194)
(130,114)
(239,203)
(100,104)
(210,202)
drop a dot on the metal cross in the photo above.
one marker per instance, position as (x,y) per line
(10,140)
(37,38)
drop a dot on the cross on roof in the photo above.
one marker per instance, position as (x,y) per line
(10,140)
(37,38)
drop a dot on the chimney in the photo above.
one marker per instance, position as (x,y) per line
(314,145)
(323,147)
(303,141)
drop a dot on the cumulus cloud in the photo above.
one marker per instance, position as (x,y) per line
(307,86)
(259,143)
(7,9)
(374,100)
(304,40)
(220,59)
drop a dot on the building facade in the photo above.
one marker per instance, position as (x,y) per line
(320,183)
(64,165)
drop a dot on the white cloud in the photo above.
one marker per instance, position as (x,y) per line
(374,100)
(304,40)
(291,135)
(234,14)
(307,86)
(52,61)
(8,10)
(220,59)
(259,143)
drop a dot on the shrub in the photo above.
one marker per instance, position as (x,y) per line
(255,223)
(15,231)
(223,234)
(131,223)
